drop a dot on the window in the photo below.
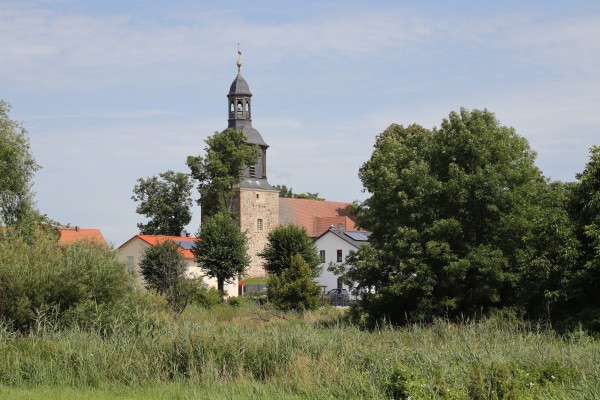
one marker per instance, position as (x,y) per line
(340,283)
(339,256)
(253,170)
(322,255)
(129,263)
(259,224)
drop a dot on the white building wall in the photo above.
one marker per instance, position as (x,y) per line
(331,244)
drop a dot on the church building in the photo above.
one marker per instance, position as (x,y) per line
(259,207)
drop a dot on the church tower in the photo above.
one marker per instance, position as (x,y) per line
(258,201)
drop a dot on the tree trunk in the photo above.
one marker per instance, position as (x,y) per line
(220,287)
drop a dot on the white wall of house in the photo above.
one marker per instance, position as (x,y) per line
(331,245)
(132,251)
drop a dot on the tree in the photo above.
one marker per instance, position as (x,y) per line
(284,242)
(294,289)
(285,192)
(17,167)
(163,268)
(166,201)
(221,170)
(221,249)
(585,214)
(449,214)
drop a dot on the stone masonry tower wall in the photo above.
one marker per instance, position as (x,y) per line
(258,215)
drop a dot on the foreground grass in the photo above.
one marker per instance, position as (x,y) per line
(250,352)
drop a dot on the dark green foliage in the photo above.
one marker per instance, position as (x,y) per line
(17,167)
(460,219)
(285,192)
(163,268)
(221,169)
(585,213)
(80,283)
(221,249)
(166,201)
(293,287)
(285,242)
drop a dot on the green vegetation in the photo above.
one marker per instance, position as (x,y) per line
(284,242)
(166,201)
(248,350)
(221,249)
(82,284)
(17,167)
(163,268)
(220,171)
(464,223)
(285,192)
(293,288)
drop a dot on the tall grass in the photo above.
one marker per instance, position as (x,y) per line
(312,355)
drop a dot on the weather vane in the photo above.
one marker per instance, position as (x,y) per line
(239,61)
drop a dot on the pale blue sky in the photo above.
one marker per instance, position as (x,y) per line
(111,91)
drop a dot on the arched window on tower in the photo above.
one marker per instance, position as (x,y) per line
(259,224)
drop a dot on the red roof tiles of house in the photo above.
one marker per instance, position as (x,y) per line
(180,240)
(70,235)
(316,216)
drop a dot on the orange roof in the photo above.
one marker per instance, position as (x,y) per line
(70,235)
(314,215)
(155,239)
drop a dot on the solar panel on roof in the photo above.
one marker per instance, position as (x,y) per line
(359,237)
(185,244)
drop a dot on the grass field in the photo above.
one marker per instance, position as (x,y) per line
(251,352)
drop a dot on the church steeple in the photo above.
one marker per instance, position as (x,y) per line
(239,103)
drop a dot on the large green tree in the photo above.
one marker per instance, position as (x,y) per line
(450,213)
(163,268)
(284,242)
(221,169)
(17,167)
(166,201)
(585,213)
(221,249)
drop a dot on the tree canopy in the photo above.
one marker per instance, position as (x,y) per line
(17,167)
(221,169)
(284,242)
(166,201)
(293,288)
(284,191)
(453,214)
(163,268)
(221,249)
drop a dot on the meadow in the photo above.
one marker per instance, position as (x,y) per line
(248,351)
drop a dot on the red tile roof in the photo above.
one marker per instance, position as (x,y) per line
(155,239)
(70,235)
(316,216)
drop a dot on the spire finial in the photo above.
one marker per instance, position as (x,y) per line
(239,61)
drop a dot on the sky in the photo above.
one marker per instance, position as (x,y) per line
(113,91)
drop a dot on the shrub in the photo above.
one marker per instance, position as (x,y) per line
(293,288)
(63,283)
(197,293)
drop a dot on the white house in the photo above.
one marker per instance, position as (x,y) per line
(333,246)
(132,251)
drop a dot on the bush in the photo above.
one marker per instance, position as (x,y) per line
(82,282)
(293,288)
(197,293)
